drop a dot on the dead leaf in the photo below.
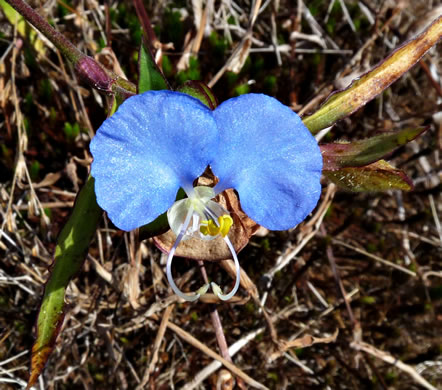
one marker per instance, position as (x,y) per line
(378,176)
(212,298)
(305,341)
(241,54)
(245,282)
(49,180)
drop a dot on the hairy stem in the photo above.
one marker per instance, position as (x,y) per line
(60,42)
(89,70)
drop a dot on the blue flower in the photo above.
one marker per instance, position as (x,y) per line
(160,141)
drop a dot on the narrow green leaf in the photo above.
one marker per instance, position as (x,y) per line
(149,77)
(379,176)
(70,252)
(359,153)
(343,103)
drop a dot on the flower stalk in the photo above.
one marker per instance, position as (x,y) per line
(59,41)
(89,70)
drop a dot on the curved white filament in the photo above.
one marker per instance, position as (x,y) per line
(212,215)
(216,289)
(202,290)
(176,290)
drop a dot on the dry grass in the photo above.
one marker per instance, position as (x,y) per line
(367,265)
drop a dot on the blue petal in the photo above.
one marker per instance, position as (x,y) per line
(155,143)
(269,156)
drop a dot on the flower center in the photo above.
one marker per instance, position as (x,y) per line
(200,217)
(210,228)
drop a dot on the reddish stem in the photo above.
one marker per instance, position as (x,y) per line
(216,321)
(87,68)
(60,42)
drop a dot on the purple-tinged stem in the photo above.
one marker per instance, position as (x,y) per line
(216,321)
(149,34)
(60,42)
(89,70)
(150,40)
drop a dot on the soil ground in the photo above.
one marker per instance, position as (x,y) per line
(385,246)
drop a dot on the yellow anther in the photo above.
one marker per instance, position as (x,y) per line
(204,229)
(225,223)
(210,228)
(213,229)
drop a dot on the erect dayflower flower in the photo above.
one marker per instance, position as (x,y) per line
(160,141)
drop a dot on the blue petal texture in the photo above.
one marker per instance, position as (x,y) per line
(269,156)
(154,144)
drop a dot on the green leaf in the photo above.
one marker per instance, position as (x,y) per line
(200,91)
(359,153)
(343,103)
(71,131)
(70,252)
(379,176)
(160,225)
(150,77)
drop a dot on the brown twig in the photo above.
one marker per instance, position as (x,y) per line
(203,348)
(240,52)
(156,347)
(200,34)
(433,82)
(108,24)
(374,257)
(386,357)
(216,321)
(238,345)
(337,276)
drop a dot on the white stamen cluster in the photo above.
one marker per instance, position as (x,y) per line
(185,218)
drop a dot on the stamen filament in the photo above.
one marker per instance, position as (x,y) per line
(216,289)
(176,290)
(211,214)
(218,223)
